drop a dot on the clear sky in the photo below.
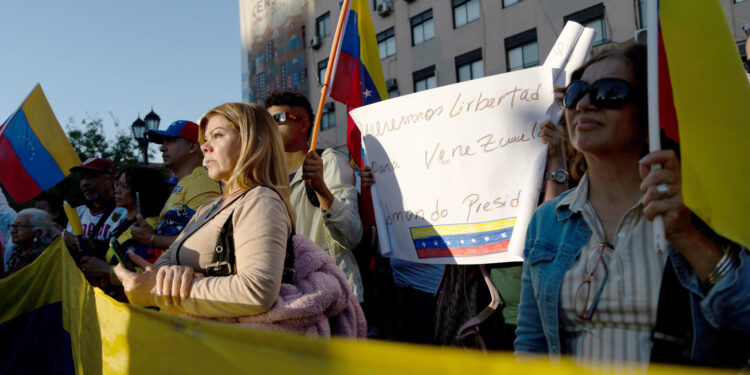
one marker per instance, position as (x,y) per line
(93,57)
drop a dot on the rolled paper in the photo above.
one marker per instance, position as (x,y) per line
(73,219)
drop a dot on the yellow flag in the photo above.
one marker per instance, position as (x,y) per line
(712,100)
(53,321)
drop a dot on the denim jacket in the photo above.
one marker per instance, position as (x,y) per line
(554,239)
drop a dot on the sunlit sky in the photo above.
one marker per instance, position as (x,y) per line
(93,57)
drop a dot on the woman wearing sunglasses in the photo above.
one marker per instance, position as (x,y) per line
(594,286)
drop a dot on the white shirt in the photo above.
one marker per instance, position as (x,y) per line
(90,218)
(620,330)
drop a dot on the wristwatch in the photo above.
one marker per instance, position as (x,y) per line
(560,176)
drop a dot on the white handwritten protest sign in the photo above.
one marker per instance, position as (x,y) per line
(458,168)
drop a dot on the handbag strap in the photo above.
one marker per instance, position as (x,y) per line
(471,327)
(224,250)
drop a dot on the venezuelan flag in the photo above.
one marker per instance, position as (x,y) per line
(463,239)
(35,153)
(357,77)
(711,95)
(357,80)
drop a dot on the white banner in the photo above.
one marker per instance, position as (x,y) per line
(458,168)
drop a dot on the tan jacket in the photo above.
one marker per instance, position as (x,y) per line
(261,228)
(339,229)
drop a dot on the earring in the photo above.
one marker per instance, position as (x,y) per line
(36,239)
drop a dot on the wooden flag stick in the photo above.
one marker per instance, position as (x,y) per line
(331,65)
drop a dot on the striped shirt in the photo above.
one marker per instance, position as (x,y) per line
(620,330)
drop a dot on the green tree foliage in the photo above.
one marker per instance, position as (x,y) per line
(87,138)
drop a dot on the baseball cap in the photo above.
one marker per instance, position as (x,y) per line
(99,165)
(181,128)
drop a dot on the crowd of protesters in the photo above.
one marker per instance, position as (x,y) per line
(257,229)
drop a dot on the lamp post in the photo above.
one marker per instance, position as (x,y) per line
(141,128)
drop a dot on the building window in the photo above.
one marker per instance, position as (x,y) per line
(738,1)
(741,48)
(424,79)
(322,25)
(322,71)
(422,28)
(469,66)
(392,86)
(465,11)
(328,119)
(507,3)
(387,43)
(522,50)
(592,17)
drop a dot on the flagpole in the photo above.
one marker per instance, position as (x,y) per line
(652,39)
(331,64)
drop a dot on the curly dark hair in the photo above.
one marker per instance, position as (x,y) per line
(151,186)
(292,99)
(56,205)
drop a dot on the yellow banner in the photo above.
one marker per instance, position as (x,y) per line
(712,100)
(115,338)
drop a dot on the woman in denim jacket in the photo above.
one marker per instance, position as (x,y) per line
(594,286)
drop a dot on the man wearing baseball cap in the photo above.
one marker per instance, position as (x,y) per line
(99,216)
(182,154)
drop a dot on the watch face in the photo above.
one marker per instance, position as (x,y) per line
(560,176)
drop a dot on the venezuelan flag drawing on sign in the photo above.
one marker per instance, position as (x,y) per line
(35,153)
(463,239)
(711,101)
(52,321)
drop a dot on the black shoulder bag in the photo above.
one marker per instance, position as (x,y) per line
(223,263)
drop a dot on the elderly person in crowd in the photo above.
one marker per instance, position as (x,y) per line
(594,285)
(32,231)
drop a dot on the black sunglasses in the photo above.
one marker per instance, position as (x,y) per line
(610,93)
(284,117)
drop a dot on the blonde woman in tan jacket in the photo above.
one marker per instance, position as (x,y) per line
(242,148)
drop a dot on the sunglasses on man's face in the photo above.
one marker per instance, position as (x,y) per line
(610,93)
(284,117)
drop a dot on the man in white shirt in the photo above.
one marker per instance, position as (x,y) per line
(99,216)
(322,187)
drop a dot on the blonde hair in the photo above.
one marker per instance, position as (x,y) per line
(262,160)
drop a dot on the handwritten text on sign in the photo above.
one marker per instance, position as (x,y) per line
(458,168)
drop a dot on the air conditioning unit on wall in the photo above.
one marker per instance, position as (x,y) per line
(315,42)
(385,8)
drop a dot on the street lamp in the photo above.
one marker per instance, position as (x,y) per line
(141,128)
(152,120)
(139,133)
